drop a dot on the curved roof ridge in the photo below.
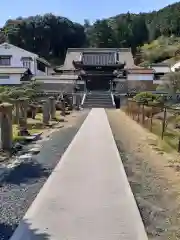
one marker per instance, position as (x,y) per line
(98,49)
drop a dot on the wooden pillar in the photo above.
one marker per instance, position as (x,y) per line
(52,106)
(46,114)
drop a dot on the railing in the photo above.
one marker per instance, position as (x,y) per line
(113,102)
(83,99)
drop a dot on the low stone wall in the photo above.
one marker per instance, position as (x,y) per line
(144,85)
(57,87)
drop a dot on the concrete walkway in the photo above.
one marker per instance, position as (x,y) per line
(87,197)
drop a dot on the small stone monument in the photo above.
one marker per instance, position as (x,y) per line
(52,106)
(78,102)
(46,114)
(74,100)
(23,102)
(63,109)
(6,126)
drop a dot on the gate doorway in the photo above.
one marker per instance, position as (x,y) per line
(98,83)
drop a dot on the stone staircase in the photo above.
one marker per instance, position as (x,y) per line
(98,100)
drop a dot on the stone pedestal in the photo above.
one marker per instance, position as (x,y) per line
(78,102)
(46,114)
(63,112)
(74,100)
(70,103)
(6,126)
(52,106)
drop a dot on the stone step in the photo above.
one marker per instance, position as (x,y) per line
(99,97)
(98,100)
(97,106)
(94,100)
(100,106)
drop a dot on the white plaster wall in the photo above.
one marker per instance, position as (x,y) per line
(40,73)
(58,81)
(17,54)
(177,65)
(162,69)
(140,77)
(13,79)
(50,71)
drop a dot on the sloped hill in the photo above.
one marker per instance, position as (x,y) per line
(163,49)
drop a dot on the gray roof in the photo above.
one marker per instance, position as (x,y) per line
(74,54)
(127,57)
(93,50)
(44,61)
(57,87)
(68,77)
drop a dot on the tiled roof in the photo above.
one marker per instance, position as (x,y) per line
(44,61)
(95,50)
(53,87)
(68,77)
(75,54)
(139,70)
(103,58)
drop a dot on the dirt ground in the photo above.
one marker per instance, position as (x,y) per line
(154,176)
(66,122)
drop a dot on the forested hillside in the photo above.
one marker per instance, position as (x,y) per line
(48,35)
(51,35)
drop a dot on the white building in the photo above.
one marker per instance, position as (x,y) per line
(176,67)
(161,68)
(14,62)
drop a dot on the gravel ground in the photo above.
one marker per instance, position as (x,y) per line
(154,176)
(20,187)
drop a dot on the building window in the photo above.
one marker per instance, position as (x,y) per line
(41,66)
(27,64)
(5,61)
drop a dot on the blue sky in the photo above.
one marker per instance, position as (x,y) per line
(77,10)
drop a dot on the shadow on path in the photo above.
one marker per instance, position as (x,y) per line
(6,231)
(25,172)
(25,231)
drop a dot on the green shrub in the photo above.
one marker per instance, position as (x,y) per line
(145,97)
